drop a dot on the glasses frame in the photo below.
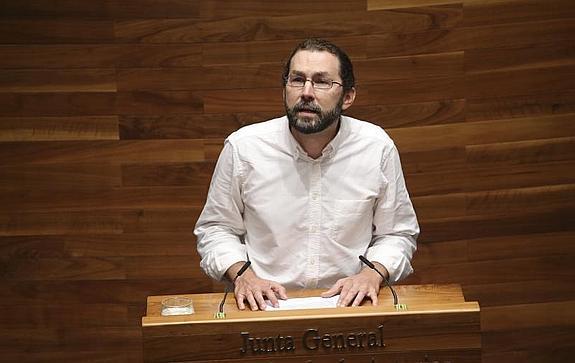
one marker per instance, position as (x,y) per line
(313,84)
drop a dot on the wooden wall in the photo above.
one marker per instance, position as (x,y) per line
(112,113)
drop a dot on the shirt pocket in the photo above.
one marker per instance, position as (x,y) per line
(351,222)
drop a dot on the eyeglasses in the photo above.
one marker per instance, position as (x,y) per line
(320,84)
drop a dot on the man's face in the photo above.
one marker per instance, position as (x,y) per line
(311,110)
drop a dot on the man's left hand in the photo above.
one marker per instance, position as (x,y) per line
(353,289)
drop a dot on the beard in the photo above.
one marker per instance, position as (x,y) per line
(317,123)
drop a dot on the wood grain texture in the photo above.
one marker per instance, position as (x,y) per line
(260,28)
(89,80)
(59,128)
(113,114)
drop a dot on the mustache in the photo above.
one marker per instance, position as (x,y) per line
(306,106)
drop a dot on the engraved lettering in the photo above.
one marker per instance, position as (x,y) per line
(313,340)
(260,345)
(326,341)
(360,339)
(371,340)
(338,341)
(352,341)
(310,339)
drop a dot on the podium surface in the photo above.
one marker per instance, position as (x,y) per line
(438,326)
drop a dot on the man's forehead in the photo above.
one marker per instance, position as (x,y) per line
(315,63)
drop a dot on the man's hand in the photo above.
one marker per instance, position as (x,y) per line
(253,289)
(352,290)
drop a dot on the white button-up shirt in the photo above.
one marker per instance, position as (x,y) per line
(303,222)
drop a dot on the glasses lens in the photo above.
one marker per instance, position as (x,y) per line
(322,84)
(295,81)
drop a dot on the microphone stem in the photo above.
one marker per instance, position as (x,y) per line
(372,266)
(227,290)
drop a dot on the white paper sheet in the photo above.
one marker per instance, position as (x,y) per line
(316,302)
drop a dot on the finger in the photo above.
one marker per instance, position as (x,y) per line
(334,290)
(260,300)
(252,301)
(271,295)
(344,296)
(280,291)
(240,301)
(372,294)
(358,298)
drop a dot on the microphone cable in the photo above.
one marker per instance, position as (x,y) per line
(221,314)
(396,303)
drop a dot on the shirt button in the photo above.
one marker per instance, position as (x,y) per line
(314,196)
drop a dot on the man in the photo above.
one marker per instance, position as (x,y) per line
(302,196)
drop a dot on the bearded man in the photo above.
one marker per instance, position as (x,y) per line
(302,196)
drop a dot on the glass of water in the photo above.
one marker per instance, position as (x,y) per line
(177,305)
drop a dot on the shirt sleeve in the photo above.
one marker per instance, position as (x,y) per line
(395,223)
(220,227)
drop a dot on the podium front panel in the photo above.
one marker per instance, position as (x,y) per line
(439,328)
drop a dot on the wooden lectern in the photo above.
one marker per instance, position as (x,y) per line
(438,326)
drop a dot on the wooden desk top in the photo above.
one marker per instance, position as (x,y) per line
(420,299)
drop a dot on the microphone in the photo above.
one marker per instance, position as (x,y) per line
(220,314)
(369,264)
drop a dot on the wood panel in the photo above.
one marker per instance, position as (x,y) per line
(258,28)
(36,81)
(113,113)
(59,128)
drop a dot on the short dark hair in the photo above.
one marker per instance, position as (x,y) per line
(316,44)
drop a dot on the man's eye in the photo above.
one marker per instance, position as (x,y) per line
(322,82)
(298,79)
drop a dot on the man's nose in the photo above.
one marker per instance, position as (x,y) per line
(308,91)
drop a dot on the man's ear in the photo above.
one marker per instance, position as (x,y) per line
(348,99)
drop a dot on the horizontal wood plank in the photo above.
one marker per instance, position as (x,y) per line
(116,198)
(515,59)
(172,174)
(57,104)
(52,31)
(521,152)
(75,292)
(402,44)
(198,78)
(154,102)
(59,128)
(285,27)
(411,114)
(522,292)
(80,56)
(192,126)
(179,220)
(275,52)
(390,4)
(50,223)
(484,132)
(481,12)
(458,180)
(231,8)
(496,271)
(36,81)
(67,176)
(59,152)
(480,226)
(514,83)
(534,104)
(99,245)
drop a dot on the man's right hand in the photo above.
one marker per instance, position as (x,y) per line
(253,289)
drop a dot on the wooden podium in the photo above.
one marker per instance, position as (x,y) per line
(438,326)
